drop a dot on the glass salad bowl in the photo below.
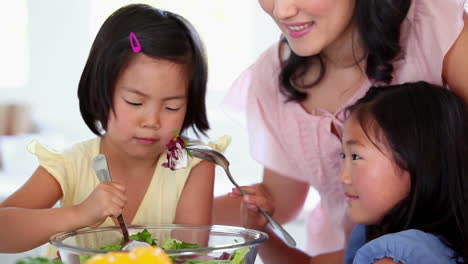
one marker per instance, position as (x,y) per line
(183,243)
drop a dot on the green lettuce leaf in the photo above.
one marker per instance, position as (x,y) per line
(144,236)
(238,256)
(172,243)
(83,259)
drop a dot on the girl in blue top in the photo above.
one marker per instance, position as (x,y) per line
(405,176)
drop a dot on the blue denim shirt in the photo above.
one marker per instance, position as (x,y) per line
(408,247)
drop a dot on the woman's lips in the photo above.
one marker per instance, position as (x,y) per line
(298,30)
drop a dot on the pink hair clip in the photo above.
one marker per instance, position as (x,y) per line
(136,47)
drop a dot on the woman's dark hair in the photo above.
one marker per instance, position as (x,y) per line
(162,35)
(425,128)
(378,25)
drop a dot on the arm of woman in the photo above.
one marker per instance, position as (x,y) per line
(455,65)
(274,250)
(195,205)
(226,210)
(286,194)
(28,213)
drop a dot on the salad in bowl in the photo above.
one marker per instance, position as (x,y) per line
(183,244)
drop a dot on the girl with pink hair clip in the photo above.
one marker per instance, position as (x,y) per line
(145,78)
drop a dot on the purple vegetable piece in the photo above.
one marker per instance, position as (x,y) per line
(175,147)
(224,256)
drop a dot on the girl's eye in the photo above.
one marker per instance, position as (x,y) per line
(342,155)
(355,156)
(132,103)
(172,108)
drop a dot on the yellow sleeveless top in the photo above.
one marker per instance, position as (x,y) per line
(73,170)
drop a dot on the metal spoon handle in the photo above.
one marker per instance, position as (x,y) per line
(124,228)
(102,172)
(286,236)
(207,153)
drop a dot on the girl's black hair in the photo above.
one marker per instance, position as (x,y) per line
(425,128)
(378,25)
(162,35)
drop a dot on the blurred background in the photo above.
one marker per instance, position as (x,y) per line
(42,53)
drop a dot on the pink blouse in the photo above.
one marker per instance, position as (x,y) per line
(286,139)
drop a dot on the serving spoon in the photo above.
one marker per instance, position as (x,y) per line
(208,153)
(102,172)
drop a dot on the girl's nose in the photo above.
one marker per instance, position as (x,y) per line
(284,9)
(345,176)
(151,120)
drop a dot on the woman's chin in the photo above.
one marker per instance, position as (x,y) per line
(302,48)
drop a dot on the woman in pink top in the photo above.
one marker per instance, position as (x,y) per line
(294,95)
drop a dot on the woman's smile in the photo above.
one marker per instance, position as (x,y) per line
(298,30)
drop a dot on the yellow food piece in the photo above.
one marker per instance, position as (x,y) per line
(144,255)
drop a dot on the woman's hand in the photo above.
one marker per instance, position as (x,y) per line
(107,199)
(257,196)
